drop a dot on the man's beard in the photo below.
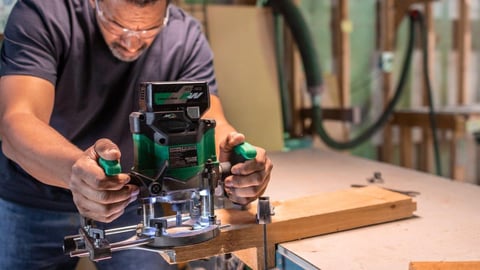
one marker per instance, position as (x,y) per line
(118,51)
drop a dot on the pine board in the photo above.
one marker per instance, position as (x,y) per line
(296,219)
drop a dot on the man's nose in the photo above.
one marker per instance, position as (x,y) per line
(131,41)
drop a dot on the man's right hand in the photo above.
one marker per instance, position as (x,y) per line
(98,196)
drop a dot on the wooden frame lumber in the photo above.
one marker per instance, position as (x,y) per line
(470,265)
(454,121)
(296,219)
(350,115)
(401,8)
(464,50)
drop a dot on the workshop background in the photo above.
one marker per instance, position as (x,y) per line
(360,47)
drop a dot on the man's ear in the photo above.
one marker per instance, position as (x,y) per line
(92,3)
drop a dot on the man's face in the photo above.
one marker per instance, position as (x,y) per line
(129,29)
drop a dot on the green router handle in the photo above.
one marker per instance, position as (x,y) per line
(245,150)
(241,153)
(111,167)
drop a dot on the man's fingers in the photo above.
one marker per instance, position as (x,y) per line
(96,195)
(242,181)
(232,139)
(93,175)
(102,213)
(106,149)
(108,196)
(259,163)
(250,179)
(105,206)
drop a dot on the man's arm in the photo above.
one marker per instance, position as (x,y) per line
(26,104)
(25,107)
(223,127)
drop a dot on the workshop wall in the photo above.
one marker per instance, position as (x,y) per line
(364,74)
(365,84)
(365,78)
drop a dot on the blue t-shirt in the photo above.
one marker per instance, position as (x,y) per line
(94,92)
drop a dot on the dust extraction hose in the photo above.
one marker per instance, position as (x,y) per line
(300,32)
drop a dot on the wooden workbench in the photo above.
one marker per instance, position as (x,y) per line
(446,226)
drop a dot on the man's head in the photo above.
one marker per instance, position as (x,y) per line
(130,26)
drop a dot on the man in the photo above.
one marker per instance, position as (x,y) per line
(69,74)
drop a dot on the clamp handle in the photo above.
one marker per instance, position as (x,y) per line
(244,150)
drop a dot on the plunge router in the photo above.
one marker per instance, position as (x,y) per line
(175,163)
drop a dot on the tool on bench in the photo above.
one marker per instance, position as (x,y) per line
(175,164)
(264,217)
(377,178)
(410,193)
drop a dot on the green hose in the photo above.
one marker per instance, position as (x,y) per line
(282,83)
(426,76)
(384,117)
(300,31)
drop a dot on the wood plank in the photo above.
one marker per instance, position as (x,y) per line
(457,169)
(406,147)
(427,150)
(473,265)
(464,37)
(351,115)
(444,120)
(431,45)
(293,220)
(454,122)
(401,8)
(387,44)
(344,28)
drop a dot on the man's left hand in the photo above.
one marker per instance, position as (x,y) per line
(249,179)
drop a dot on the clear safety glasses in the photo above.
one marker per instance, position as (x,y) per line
(118,30)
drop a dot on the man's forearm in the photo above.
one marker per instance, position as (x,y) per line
(38,149)
(223,127)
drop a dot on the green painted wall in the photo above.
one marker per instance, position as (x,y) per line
(365,73)
(363,57)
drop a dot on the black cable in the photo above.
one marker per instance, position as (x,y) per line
(384,117)
(304,41)
(426,74)
(284,93)
(301,34)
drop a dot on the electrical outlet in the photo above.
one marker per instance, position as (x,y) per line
(386,61)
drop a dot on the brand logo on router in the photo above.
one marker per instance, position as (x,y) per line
(196,95)
(175,97)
